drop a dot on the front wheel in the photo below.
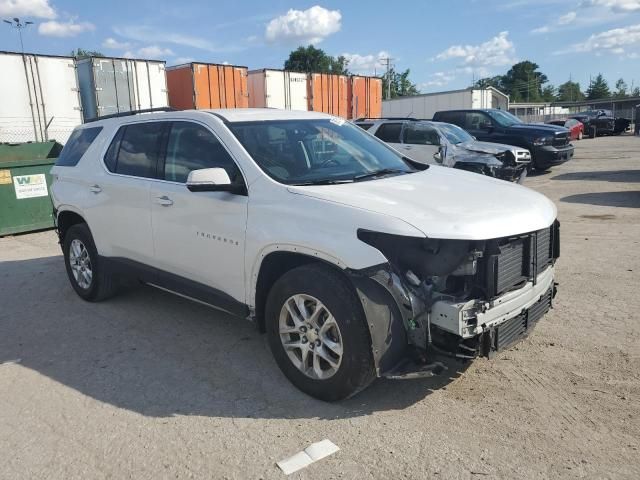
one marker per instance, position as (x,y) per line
(318,334)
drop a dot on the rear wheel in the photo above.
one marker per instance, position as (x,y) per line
(87,274)
(317,333)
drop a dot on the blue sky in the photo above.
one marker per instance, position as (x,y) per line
(445,43)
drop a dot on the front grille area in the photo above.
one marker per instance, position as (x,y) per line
(511,262)
(561,140)
(516,328)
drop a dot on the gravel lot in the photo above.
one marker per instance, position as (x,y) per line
(148,385)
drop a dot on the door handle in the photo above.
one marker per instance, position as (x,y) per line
(407,147)
(95,188)
(164,201)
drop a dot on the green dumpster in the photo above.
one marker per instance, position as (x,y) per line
(24,186)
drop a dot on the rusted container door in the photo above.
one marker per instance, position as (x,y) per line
(220,86)
(180,85)
(328,94)
(365,97)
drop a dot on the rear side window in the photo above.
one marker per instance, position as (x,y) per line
(192,147)
(135,149)
(78,143)
(389,132)
(457,118)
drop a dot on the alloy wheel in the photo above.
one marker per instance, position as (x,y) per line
(80,263)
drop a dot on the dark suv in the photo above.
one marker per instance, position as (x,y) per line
(549,144)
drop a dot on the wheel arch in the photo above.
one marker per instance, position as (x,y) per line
(66,217)
(274,263)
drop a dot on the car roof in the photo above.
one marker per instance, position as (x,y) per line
(224,114)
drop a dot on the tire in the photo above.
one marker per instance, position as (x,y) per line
(320,283)
(78,244)
(593,131)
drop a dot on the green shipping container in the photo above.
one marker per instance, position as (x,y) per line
(24,186)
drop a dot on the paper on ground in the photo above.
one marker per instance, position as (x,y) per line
(313,453)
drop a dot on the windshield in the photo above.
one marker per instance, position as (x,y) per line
(318,151)
(504,119)
(455,134)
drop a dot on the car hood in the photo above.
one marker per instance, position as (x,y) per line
(539,128)
(486,147)
(445,203)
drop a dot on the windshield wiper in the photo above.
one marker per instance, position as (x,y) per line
(324,181)
(378,173)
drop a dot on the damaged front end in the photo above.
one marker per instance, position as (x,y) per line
(459,298)
(503,165)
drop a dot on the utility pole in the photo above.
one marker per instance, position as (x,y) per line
(387,62)
(19,25)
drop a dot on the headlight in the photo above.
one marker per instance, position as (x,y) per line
(538,142)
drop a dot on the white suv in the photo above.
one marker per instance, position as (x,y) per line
(357,262)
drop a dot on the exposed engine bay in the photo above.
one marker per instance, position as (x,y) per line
(467,298)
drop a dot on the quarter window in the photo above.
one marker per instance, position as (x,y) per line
(389,132)
(78,143)
(193,147)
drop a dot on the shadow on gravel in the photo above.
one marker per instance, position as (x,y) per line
(160,355)
(606,199)
(630,176)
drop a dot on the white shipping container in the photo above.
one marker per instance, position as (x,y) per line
(39,98)
(424,106)
(113,85)
(277,89)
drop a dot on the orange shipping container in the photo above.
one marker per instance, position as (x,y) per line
(328,93)
(365,97)
(207,85)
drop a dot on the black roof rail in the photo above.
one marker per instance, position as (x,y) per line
(363,119)
(131,112)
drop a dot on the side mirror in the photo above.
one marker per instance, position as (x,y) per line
(486,126)
(212,180)
(441,154)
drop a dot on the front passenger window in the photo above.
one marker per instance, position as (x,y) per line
(193,147)
(420,135)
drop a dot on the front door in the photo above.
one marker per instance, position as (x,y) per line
(199,236)
(420,142)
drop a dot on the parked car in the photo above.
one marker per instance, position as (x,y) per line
(449,145)
(602,122)
(356,261)
(575,127)
(549,144)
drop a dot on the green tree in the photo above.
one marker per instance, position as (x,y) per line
(570,92)
(314,60)
(82,53)
(621,89)
(523,82)
(598,88)
(398,84)
(549,93)
(635,92)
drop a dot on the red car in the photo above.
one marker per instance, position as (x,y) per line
(575,127)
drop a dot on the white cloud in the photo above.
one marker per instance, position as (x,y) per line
(115,44)
(304,26)
(438,79)
(154,51)
(27,8)
(561,21)
(365,63)
(617,6)
(147,34)
(496,52)
(181,60)
(53,28)
(616,41)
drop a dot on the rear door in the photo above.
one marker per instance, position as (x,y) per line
(199,236)
(420,142)
(391,133)
(118,212)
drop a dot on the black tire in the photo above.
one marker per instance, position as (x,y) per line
(103,284)
(593,131)
(356,370)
